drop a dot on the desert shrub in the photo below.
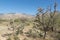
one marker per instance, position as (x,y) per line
(33,34)
(16,30)
(19,30)
(25,39)
(9,39)
(17,20)
(58,36)
(16,38)
(3,20)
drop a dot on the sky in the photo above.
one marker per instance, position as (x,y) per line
(25,6)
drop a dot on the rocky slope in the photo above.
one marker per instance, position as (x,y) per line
(16,15)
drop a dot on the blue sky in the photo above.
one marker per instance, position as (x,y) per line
(25,6)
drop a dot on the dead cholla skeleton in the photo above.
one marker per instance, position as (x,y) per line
(41,21)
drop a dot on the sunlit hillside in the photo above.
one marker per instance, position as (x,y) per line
(29,19)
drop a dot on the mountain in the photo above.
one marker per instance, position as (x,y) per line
(14,16)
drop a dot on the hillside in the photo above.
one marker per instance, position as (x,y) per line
(13,16)
(19,19)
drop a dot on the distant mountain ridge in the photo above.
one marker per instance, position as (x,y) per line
(16,15)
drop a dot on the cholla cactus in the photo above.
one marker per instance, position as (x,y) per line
(20,29)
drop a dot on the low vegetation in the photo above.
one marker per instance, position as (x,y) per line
(44,26)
